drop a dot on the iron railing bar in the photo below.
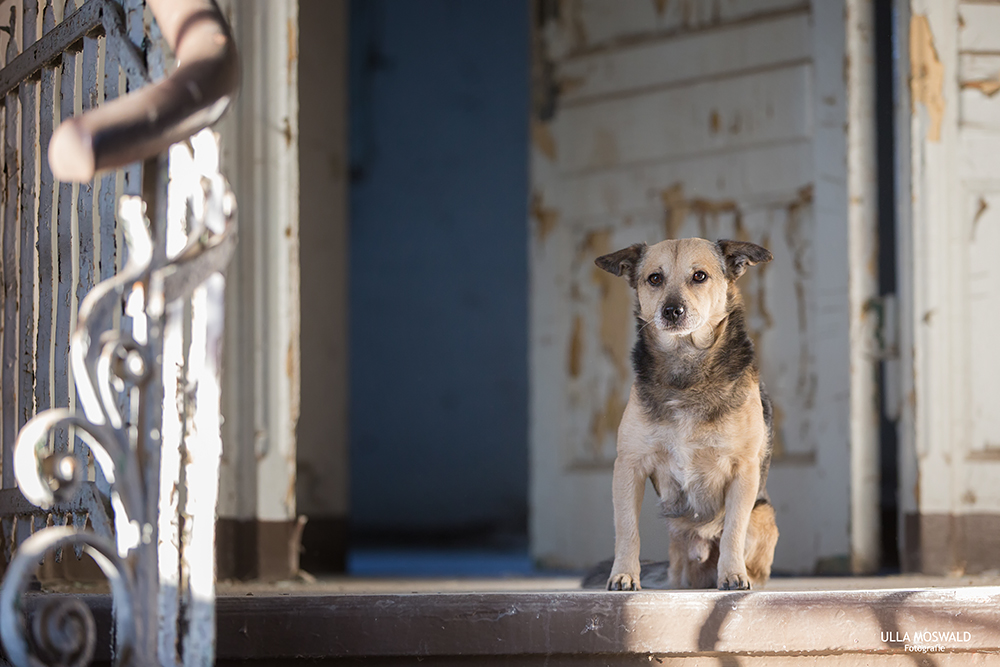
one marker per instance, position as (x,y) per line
(130,58)
(107,195)
(49,48)
(28,153)
(85,228)
(66,94)
(11,367)
(135,31)
(146,122)
(22,530)
(106,230)
(46,236)
(86,499)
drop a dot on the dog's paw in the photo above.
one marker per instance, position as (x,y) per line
(734,581)
(623,582)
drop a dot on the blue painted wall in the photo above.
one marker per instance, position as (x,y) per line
(438,317)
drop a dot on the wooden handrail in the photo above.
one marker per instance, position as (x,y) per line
(144,123)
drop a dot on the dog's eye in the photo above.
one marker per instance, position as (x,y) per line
(699,276)
(655,279)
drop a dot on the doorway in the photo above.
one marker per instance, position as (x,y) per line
(438,100)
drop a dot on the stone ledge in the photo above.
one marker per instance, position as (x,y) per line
(648,624)
(582,627)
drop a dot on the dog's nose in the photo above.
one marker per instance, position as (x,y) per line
(673,312)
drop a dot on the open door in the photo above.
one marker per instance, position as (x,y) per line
(656,120)
(949,228)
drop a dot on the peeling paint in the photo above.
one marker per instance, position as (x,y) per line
(980,210)
(598,349)
(688,13)
(927,74)
(571,15)
(605,421)
(988,87)
(570,84)
(707,209)
(544,89)
(800,246)
(677,208)
(547,218)
(756,299)
(543,139)
(615,306)
(575,361)
(674,209)
(778,425)
(592,330)
(293,44)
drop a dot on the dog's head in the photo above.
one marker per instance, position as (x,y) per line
(683,285)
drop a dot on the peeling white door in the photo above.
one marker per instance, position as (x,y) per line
(721,119)
(949,231)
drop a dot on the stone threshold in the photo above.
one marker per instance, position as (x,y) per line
(534,621)
(530,627)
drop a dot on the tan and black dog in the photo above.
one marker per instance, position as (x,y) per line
(698,421)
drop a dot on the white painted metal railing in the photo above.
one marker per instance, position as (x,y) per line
(58,238)
(132,445)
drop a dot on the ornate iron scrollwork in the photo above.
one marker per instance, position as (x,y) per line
(107,362)
(62,630)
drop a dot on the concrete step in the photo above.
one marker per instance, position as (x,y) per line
(934,626)
(550,621)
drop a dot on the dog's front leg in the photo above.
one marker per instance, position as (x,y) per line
(627,490)
(739,504)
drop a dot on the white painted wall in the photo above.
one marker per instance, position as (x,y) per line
(949,228)
(661,119)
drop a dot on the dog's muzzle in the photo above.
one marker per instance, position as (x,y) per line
(673,313)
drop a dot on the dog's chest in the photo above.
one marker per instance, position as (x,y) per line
(690,466)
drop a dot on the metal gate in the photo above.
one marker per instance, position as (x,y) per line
(127,304)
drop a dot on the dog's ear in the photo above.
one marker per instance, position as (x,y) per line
(741,254)
(623,262)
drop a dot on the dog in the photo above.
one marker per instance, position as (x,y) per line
(698,422)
